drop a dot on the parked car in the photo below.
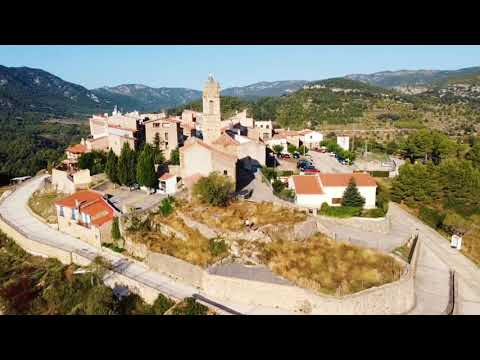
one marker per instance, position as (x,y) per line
(245,194)
(303,163)
(310,170)
(134,187)
(285,156)
(296,155)
(332,154)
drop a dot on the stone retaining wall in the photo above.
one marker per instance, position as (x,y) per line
(378,225)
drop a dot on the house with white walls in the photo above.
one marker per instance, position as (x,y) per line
(311,191)
(310,138)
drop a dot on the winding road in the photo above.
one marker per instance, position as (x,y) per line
(436,259)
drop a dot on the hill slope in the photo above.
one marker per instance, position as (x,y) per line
(24,89)
(276,88)
(144,98)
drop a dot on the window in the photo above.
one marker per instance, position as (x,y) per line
(156,125)
(267,126)
(166,136)
(225,172)
(62,214)
(74,214)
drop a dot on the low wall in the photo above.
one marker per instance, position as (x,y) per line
(176,268)
(378,225)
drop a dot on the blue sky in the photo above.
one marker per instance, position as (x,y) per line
(188,66)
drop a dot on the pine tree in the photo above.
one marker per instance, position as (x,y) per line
(111,166)
(132,161)
(146,175)
(351,196)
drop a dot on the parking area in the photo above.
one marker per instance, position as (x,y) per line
(328,164)
(121,197)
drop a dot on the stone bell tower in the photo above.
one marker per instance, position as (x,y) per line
(211,119)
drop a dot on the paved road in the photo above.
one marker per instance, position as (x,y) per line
(466,272)
(328,164)
(13,209)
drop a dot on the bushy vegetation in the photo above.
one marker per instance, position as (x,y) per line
(95,161)
(214,189)
(166,206)
(31,285)
(329,266)
(189,306)
(445,194)
(332,146)
(340,211)
(27,144)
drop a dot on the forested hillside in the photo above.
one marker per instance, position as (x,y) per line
(27,145)
(343,102)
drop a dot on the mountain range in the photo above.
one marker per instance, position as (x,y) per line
(24,89)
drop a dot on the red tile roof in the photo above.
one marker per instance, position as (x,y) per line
(194,141)
(307,185)
(91,203)
(166,176)
(77,149)
(225,140)
(344,179)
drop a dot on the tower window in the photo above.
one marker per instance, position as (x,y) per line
(225,172)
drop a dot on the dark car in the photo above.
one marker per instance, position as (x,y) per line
(245,194)
(285,156)
(308,167)
(296,155)
(303,163)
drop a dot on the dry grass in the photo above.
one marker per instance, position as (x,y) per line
(330,267)
(195,249)
(41,204)
(471,241)
(233,217)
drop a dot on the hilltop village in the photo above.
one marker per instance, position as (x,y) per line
(245,214)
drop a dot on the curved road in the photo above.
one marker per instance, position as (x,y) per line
(435,260)
(13,209)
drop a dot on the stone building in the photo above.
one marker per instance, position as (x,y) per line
(170,134)
(211,118)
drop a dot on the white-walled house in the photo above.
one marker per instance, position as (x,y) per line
(311,139)
(278,140)
(313,190)
(344,142)
(167,184)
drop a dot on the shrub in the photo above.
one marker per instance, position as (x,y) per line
(385,174)
(190,306)
(373,213)
(215,189)
(161,304)
(287,194)
(269,173)
(166,207)
(175,157)
(432,217)
(278,186)
(339,211)
(217,246)
(285,173)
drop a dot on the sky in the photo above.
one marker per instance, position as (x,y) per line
(232,65)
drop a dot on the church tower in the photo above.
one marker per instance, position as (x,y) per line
(211,119)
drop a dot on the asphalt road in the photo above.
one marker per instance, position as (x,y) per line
(328,164)
(14,210)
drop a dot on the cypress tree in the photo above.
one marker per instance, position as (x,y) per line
(124,165)
(115,229)
(146,175)
(111,166)
(351,196)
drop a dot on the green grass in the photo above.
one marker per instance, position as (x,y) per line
(41,204)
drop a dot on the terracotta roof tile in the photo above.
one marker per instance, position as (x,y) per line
(166,176)
(343,179)
(77,149)
(307,185)
(91,203)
